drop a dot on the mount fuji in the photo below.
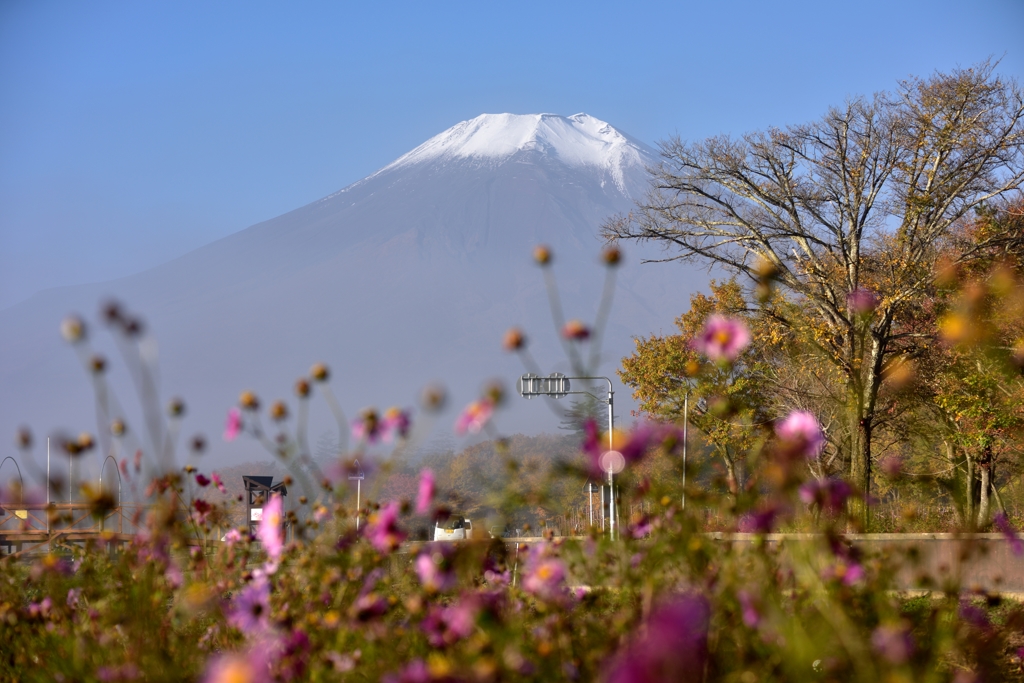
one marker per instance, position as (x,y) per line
(408,276)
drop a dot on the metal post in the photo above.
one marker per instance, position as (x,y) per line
(602,508)
(686,407)
(359,486)
(611,477)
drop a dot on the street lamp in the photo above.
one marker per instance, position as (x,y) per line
(557,385)
(358,477)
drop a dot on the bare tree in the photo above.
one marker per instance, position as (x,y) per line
(856,200)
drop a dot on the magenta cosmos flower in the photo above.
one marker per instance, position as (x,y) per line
(827,494)
(425,495)
(722,339)
(396,423)
(233,425)
(474,417)
(801,434)
(382,530)
(861,301)
(674,646)
(544,577)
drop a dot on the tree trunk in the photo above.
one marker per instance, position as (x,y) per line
(984,505)
(969,512)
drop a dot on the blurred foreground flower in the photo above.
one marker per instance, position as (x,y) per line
(474,417)
(722,339)
(674,645)
(270,532)
(233,425)
(382,530)
(800,435)
(425,494)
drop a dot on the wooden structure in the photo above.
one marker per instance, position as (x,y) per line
(25,527)
(257,493)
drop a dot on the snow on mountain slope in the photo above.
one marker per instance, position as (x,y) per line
(579,140)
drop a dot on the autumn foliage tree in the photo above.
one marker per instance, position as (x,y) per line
(846,214)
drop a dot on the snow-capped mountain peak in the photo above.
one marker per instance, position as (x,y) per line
(578,140)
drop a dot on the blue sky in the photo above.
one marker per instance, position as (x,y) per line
(131,133)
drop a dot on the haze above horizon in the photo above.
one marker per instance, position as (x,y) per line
(131,134)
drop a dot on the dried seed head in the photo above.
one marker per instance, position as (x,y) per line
(85,441)
(189,469)
(302,388)
(97,364)
(766,270)
(23,438)
(494,391)
(248,401)
(278,411)
(73,329)
(320,372)
(433,397)
(514,339)
(133,327)
(576,331)
(176,407)
(198,443)
(118,427)
(542,255)
(111,312)
(288,480)
(611,256)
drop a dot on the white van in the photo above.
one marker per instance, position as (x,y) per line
(456,528)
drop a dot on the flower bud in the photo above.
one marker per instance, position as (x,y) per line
(433,397)
(24,438)
(320,372)
(85,441)
(73,329)
(176,408)
(97,364)
(198,443)
(542,255)
(278,411)
(611,256)
(514,339)
(118,427)
(302,388)
(576,331)
(248,401)
(494,392)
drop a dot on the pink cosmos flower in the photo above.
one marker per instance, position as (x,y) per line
(474,417)
(233,426)
(751,617)
(673,647)
(722,339)
(396,422)
(425,495)
(445,626)
(218,482)
(250,609)
(544,577)
(368,426)
(433,566)
(893,643)
(232,537)
(800,435)
(828,494)
(861,301)
(270,531)
(382,530)
(415,671)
